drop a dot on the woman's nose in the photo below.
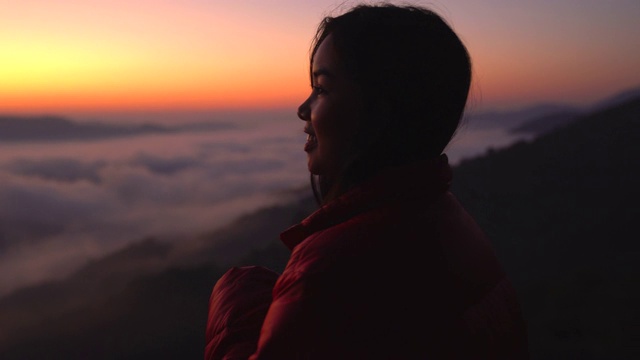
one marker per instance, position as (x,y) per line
(304,111)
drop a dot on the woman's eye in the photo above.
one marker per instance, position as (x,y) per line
(318,90)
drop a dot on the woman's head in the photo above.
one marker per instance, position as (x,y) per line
(409,76)
(333,112)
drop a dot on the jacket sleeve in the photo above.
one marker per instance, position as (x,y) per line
(237,308)
(307,319)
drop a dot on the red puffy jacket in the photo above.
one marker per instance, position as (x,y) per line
(393,269)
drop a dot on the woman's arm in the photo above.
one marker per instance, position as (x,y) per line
(237,308)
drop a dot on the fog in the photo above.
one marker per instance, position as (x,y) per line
(64,203)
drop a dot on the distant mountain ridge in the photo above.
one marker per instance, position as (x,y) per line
(543,124)
(56,128)
(541,118)
(535,119)
(616,99)
(514,118)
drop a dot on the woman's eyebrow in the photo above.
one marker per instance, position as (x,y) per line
(322,72)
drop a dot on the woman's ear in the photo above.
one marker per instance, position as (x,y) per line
(376,122)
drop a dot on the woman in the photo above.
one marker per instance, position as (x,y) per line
(390,266)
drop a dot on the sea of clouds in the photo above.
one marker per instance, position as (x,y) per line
(64,203)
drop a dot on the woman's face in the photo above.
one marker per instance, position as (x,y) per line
(333,114)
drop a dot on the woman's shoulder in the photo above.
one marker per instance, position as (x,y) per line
(366,238)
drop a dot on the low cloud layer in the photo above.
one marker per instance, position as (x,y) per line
(63,203)
(66,203)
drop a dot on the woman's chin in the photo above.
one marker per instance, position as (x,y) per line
(312,170)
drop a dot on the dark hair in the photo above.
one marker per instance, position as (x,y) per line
(415,75)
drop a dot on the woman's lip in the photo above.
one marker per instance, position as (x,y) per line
(311,143)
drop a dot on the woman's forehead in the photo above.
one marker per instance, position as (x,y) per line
(326,61)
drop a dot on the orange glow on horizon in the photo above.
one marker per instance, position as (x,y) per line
(118,55)
(202,99)
(144,55)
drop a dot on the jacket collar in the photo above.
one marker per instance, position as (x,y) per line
(413,182)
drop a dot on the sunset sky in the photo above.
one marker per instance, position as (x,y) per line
(69,56)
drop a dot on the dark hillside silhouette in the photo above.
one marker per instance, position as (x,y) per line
(560,210)
(147,301)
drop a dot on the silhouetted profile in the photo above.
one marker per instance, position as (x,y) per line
(390,266)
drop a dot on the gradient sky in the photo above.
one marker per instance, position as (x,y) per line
(93,55)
